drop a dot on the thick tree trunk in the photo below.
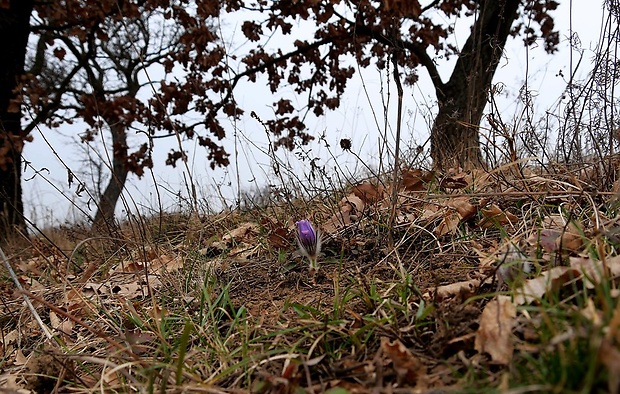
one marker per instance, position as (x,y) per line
(14,31)
(109,198)
(454,137)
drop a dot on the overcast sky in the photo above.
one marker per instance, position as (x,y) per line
(48,198)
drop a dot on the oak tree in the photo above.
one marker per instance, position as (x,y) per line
(344,32)
(104,75)
(203,73)
(14,30)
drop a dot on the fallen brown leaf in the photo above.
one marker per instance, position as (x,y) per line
(589,270)
(609,356)
(460,290)
(368,192)
(430,212)
(278,236)
(454,182)
(244,232)
(350,208)
(556,234)
(479,179)
(494,336)
(129,267)
(169,263)
(465,209)
(356,202)
(449,224)
(408,367)
(494,215)
(534,289)
(416,179)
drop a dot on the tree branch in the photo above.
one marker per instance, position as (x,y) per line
(418,50)
(263,67)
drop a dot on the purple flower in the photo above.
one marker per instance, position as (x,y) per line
(309,242)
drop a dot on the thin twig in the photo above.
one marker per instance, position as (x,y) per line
(395,175)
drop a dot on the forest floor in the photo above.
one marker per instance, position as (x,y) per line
(472,281)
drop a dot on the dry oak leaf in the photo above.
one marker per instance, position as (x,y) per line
(166,262)
(494,215)
(244,232)
(159,263)
(350,206)
(589,270)
(75,300)
(479,179)
(356,203)
(408,367)
(63,326)
(459,180)
(8,339)
(534,289)
(244,252)
(546,239)
(416,179)
(278,236)
(334,224)
(596,271)
(449,224)
(459,209)
(494,336)
(430,212)
(465,209)
(559,235)
(461,290)
(368,192)
(129,267)
(31,284)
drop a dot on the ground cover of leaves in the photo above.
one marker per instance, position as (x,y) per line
(470,281)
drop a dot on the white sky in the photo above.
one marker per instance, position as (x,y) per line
(49,199)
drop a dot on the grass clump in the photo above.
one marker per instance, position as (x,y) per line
(231,305)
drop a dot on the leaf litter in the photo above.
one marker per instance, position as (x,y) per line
(473,258)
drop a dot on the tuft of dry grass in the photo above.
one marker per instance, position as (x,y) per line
(218,303)
(496,280)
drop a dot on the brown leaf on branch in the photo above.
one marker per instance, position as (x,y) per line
(408,8)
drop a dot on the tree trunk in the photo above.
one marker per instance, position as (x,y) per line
(107,203)
(14,31)
(454,137)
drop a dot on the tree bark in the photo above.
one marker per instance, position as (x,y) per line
(455,140)
(109,198)
(14,31)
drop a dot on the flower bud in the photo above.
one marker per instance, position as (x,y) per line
(309,242)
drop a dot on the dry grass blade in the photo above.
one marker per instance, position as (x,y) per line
(25,296)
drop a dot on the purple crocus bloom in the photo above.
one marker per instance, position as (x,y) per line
(309,242)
